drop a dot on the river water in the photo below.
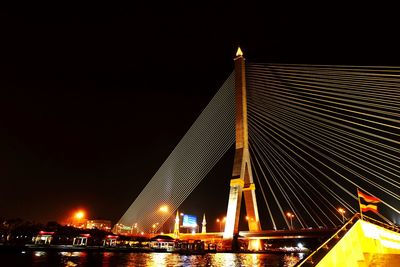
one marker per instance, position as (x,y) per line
(114,259)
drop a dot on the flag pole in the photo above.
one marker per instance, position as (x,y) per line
(359,204)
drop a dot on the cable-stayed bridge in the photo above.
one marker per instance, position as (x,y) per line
(306,138)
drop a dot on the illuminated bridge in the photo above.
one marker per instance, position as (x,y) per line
(306,138)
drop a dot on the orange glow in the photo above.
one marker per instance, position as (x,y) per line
(217,220)
(289,215)
(164,208)
(248,218)
(79,215)
(342,211)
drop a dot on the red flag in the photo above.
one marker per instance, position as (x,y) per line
(369,207)
(367,198)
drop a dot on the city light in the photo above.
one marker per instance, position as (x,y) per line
(164,208)
(219,222)
(290,216)
(79,215)
(342,211)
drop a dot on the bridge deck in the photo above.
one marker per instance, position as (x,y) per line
(266,234)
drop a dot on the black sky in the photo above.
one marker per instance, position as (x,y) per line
(94,98)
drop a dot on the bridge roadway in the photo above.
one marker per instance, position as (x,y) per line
(266,234)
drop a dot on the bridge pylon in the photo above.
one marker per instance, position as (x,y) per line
(242,178)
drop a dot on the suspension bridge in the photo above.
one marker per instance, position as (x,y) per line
(306,138)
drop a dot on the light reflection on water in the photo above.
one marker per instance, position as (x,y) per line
(111,259)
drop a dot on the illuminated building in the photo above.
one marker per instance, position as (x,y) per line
(43,238)
(110,241)
(162,242)
(81,240)
(99,224)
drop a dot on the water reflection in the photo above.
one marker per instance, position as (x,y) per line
(225,259)
(40,253)
(158,259)
(114,259)
(218,259)
(107,256)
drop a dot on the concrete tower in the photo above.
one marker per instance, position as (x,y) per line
(242,178)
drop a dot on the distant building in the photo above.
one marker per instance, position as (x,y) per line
(81,240)
(110,241)
(43,238)
(162,242)
(99,224)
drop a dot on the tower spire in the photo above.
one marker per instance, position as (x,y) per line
(176,226)
(239,52)
(204,223)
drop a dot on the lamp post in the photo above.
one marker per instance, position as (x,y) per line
(163,209)
(219,222)
(290,216)
(342,211)
(134,226)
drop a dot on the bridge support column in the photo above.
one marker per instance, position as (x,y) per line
(242,178)
(232,216)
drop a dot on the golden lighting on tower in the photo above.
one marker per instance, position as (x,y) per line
(239,52)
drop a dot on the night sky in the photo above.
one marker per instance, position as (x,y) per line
(94,98)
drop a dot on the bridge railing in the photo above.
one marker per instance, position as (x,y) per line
(323,249)
(391,227)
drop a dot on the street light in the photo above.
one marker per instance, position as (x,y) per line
(164,209)
(154,227)
(219,222)
(290,216)
(342,211)
(79,215)
(134,226)
(78,218)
